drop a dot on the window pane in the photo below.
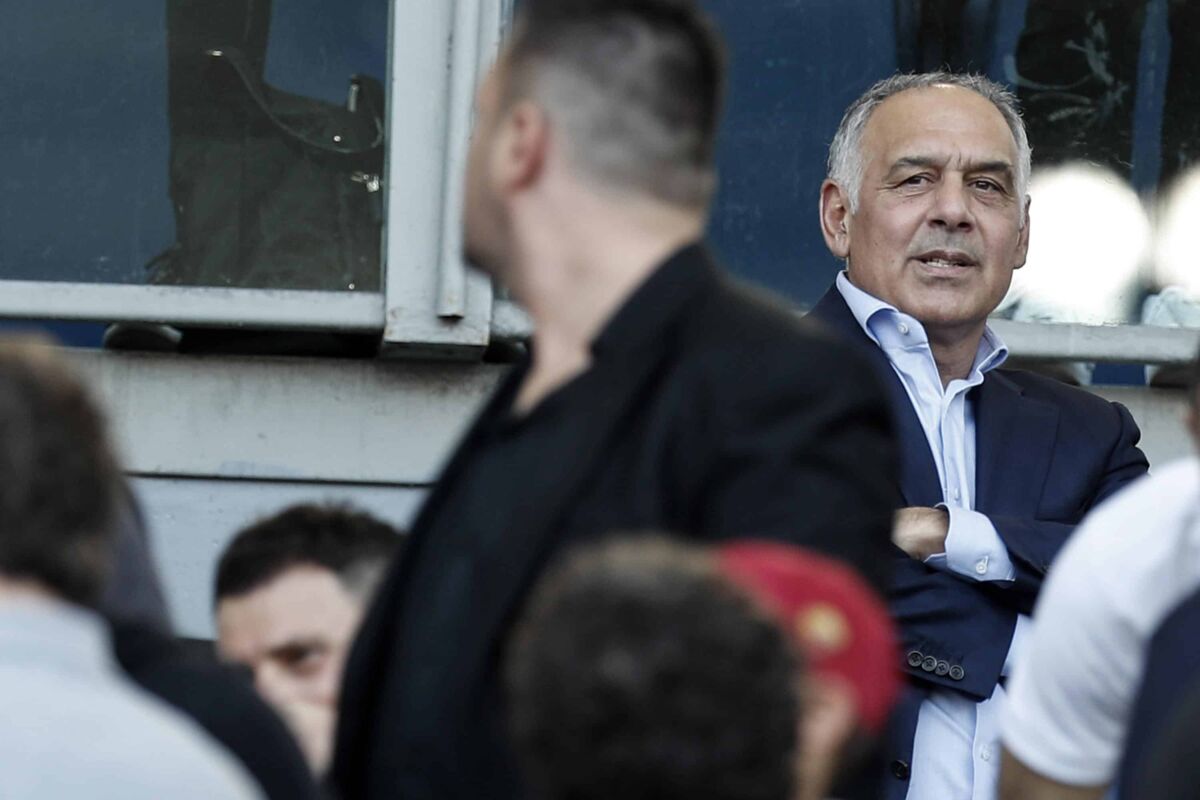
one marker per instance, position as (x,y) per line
(133,154)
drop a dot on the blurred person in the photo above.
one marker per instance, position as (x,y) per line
(847,642)
(659,393)
(289,595)
(1133,562)
(639,669)
(926,201)
(214,696)
(73,726)
(1171,770)
(1170,673)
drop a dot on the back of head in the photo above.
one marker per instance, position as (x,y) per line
(637,672)
(634,84)
(60,487)
(354,545)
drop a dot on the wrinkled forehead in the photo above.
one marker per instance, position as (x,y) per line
(943,124)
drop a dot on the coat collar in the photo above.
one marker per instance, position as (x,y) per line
(656,303)
(630,348)
(919,482)
(630,351)
(1014,433)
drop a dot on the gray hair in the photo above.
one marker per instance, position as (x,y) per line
(846,166)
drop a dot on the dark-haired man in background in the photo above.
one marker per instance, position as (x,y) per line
(290,593)
(926,201)
(658,395)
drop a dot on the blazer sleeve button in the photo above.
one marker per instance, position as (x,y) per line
(900,769)
(942,668)
(929,664)
(957,673)
(915,657)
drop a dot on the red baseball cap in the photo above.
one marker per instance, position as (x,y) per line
(841,626)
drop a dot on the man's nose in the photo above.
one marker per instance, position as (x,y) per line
(271,683)
(950,207)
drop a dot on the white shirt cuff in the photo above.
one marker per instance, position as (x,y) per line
(973,548)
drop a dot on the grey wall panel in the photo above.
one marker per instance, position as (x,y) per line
(191,521)
(1159,413)
(298,419)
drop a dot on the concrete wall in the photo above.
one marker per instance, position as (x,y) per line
(214,442)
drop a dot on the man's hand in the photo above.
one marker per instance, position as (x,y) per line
(313,725)
(921,532)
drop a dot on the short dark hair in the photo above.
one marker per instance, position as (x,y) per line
(352,544)
(58,497)
(638,672)
(636,83)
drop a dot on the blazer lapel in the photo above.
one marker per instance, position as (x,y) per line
(1014,437)
(919,482)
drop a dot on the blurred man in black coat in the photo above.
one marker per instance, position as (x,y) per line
(659,394)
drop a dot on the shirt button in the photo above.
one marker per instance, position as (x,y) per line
(986,753)
(958,494)
(903,329)
(981,566)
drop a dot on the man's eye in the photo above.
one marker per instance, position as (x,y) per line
(988,186)
(301,659)
(915,180)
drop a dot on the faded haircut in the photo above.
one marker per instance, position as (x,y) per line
(635,85)
(847,164)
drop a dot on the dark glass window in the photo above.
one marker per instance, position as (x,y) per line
(193,142)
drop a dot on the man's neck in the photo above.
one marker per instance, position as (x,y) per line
(573,278)
(955,349)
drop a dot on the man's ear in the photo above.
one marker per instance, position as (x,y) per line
(1023,240)
(835,219)
(522,145)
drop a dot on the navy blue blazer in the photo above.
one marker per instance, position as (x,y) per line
(1047,453)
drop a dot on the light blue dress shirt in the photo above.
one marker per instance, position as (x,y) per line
(956,752)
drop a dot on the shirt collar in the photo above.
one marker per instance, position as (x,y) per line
(890,328)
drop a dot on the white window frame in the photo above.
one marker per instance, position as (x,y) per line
(429,299)
(430,303)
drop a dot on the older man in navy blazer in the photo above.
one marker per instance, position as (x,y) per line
(926,202)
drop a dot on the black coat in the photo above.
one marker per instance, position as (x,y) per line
(716,413)
(222,703)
